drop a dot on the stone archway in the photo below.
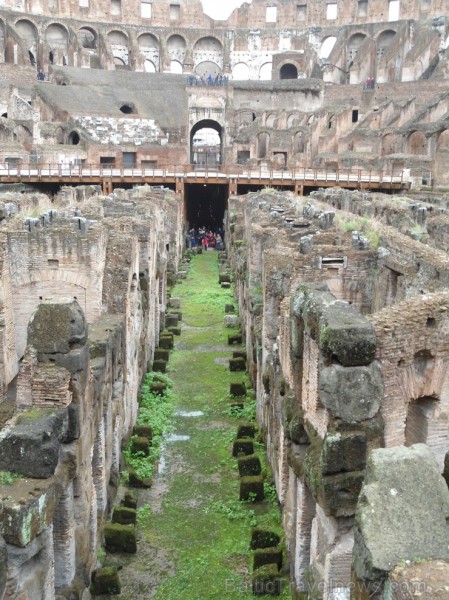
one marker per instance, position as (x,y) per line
(206,143)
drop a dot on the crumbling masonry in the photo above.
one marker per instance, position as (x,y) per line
(342,295)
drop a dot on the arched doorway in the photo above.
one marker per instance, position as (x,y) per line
(288,71)
(206,143)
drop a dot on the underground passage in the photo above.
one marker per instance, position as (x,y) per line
(262,415)
(205,205)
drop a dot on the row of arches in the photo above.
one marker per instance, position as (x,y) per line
(416,143)
(354,43)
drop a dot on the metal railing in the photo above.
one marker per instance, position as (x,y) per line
(219,173)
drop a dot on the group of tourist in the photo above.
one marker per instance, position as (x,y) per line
(369,84)
(209,80)
(205,238)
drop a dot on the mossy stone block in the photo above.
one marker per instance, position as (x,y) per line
(160,366)
(239,354)
(237,364)
(140,444)
(171,320)
(229,308)
(143,431)
(158,388)
(166,341)
(237,389)
(343,452)
(124,515)
(105,581)
(237,405)
(266,581)
(264,538)
(244,446)
(120,538)
(235,338)
(251,488)
(175,330)
(129,500)
(249,465)
(178,313)
(246,430)
(161,354)
(267,556)
(225,285)
(136,481)
(224,278)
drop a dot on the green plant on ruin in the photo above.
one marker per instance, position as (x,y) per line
(8,478)
(155,411)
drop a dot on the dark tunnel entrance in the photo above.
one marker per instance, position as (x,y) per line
(206,205)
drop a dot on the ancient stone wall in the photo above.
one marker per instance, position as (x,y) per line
(88,282)
(337,375)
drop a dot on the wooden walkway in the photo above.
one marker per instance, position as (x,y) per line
(108,176)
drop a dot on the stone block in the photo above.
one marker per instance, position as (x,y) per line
(249,465)
(175,330)
(171,320)
(161,354)
(267,581)
(267,556)
(402,513)
(237,389)
(159,366)
(57,326)
(224,278)
(244,446)
(339,329)
(237,405)
(136,481)
(124,515)
(129,500)
(140,444)
(251,488)
(239,354)
(120,538)
(343,452)
(105,581)
(177,313)
(144,431)
(158,388)
(263,538)
(229,308)
(231,321)
(174,303)
(237,364)
(31,447)
(225,285)
(427,580)
(246,430)
(352,394)
(235,338)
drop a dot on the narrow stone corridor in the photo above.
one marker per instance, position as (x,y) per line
(193,532)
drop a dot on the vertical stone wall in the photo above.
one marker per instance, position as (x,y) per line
(346,340)
(96,284)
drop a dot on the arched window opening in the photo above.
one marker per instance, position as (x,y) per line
(74,138)
(206,143)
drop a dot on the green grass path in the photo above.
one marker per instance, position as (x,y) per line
(193,531)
